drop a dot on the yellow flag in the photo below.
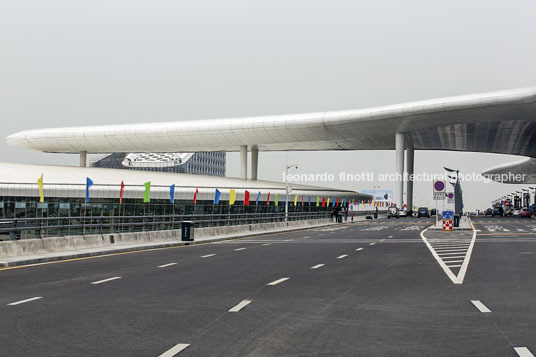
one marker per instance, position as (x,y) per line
(232,197)
(40,185)
(295,200)
(328,202)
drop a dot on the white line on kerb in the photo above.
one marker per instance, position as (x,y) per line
(277,281)
(342,256)
(317,266)
(208,255)
(358,249)
(240,306)
(523,352)
(167,265)
(26,300)
(372,243)
(175,350)
(105,280)
(480,306)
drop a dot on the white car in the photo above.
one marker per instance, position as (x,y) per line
(402,213)
(516,213)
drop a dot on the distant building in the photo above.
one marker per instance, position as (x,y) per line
(199,163)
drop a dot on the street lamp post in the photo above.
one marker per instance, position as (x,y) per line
(458,199)
(286,189)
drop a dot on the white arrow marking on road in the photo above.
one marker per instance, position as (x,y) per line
(175,350)
(240,306)
(26,300)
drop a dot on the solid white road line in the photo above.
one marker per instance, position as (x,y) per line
(26,300)
(175,350)
(358,249)
(105,280)
(208,255)
(240,248)
(267,244)
(372,243)
(277,281)
(318,266)
(452,261)
(240,306)
(523,352)
(480,306)
(167,265)
(342,256)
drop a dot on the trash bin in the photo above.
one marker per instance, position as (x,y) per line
(187,231)
(456,221)
(375,215)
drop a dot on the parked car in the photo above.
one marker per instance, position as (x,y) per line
(525,213)
(497,211)
(423,212)
(433,212)
(392,212)
(489,212)
(402,213)
(516,213)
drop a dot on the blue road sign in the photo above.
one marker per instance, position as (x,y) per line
(447,215)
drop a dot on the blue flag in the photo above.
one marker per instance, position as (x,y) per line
(257,200)
(172,193)
(344,202)
(89,183)
(217,195)
(309,200)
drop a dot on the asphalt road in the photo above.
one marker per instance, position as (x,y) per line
(366,289)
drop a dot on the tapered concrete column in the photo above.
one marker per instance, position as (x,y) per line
(410,156)
(83,158)
(244,162)
(399,156)
(254,162)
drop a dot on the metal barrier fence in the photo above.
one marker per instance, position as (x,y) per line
(26,228)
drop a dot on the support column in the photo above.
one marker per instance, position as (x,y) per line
(83,158)
(244,162)
(399,145)
(254,162)
(410,156)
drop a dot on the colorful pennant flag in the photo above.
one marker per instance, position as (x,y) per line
(276,199)
(40,185)
(89,183)
(268,199)
(232,197)
(147,193)
(257,199)
(246,198)
(195,195)
(295,200)
(172,193)
(323,201)
(217,195)
(121,192)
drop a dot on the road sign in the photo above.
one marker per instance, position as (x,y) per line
(439,195)
(447,214)
(450,197)
(439,186)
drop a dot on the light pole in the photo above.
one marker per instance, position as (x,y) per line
(458,199)
(287,187)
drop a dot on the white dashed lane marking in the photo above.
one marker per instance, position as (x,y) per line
(240,306)
(342,256)
(358,249)
(25,301)
(175,350)
(167,265)
(278,281)
(372,243)
(237,249)
(523,352)
(317,266)
(208,255)
(105,280)
(480,306)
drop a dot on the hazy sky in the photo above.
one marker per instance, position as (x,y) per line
(72,62)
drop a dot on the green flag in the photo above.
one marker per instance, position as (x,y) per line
(147,193)
(317,201)
(276,198)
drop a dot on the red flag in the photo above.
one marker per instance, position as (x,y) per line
(323,201)
(246,198)
(195,195)
(302,200)
(121,192)
(337,203)
(268,199)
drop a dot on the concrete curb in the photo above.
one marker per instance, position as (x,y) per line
(13,262)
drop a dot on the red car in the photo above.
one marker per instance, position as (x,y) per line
(525,213)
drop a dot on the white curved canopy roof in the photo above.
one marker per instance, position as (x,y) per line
(498,122)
